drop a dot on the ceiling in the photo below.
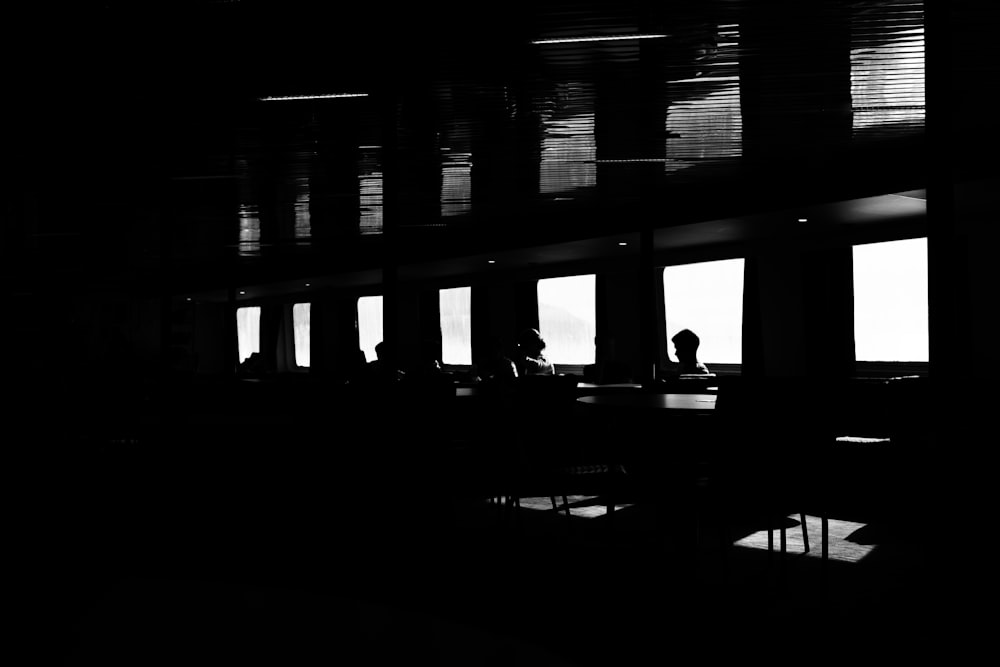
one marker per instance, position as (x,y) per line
(146,155)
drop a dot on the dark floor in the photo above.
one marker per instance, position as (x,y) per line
(150,570)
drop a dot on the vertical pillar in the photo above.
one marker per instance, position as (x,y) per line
(648,333)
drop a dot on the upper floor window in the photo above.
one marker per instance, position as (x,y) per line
(567,318)
(300,329)
(707,298)
(248,331)
(890,301)
(369,324)
(456,325)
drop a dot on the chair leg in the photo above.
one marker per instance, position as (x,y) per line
(805,532)
(825,537)
(566,506)
(825,550)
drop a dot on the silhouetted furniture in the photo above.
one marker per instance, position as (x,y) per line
(872,429)
(657,438)
(547,451)
(766,451)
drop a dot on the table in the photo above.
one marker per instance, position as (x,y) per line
(669,401)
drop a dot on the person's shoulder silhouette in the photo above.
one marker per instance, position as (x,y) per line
(686,344)
(531,356)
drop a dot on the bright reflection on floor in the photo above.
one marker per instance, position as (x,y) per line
(841,547)
(585,511)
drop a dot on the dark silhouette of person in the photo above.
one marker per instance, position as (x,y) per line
(385,369)
(358,372)
(428,372)
(686,348)
(252,366)
(530,355)
(496,366)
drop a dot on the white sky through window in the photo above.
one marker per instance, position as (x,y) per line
(567,318)
(456,325)
(248,331)
(300,326)
(890,301)
(369,324)
(707,298)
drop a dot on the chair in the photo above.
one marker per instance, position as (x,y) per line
(547,451)
(762,454)
(822,441)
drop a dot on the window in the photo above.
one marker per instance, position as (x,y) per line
(248,331)
(300,329)
(887,70)
(370,188)
(567,318)
(456,325)
(704,123)
(890,301)
(456,183)
(569,149)
(369,324)
(707,298)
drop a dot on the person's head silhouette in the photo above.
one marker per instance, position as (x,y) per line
(686,346)
(531,343)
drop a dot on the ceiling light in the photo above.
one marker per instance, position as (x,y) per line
(332,96)
(803,219)
(622,243)
(604,38)
(491,261)
(242,292)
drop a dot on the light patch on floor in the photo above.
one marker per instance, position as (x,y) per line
(584,512)
(841,548)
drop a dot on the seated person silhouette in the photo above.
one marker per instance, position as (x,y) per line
(252,366)
(384,369)
(530,357)
(428,373)
(495,366)
(686,348)
(358,372)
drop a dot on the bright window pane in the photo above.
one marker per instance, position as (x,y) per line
(300,325)
(567,318)
(369,324)
(707,298)
(890,301)
(248,331)
(456,325)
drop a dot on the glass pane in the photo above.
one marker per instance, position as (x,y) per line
(248,331)
(300,325)
(890,301)
(369,324)
(567,318)
(456,325)
(707,298)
